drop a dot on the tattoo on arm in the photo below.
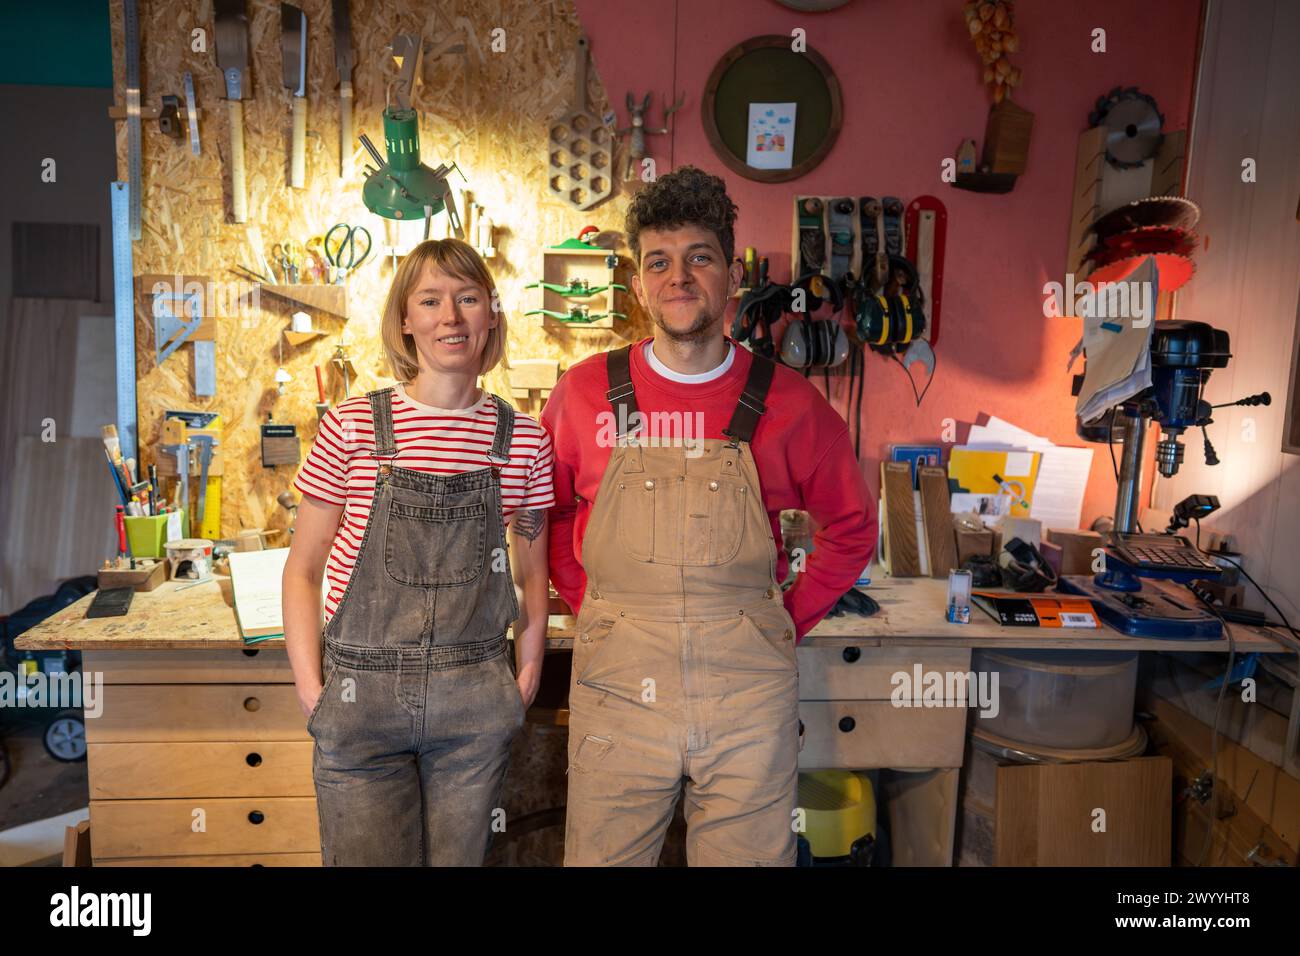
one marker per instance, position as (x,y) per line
(529,524)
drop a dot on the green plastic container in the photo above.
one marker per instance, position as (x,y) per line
(146,535)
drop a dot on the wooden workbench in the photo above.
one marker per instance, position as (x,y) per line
(197,725)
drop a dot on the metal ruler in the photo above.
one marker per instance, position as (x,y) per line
(192,113)
(205,368)
(123,320)
(132,30)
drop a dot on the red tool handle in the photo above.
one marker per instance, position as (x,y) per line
(320,385)
(119,517)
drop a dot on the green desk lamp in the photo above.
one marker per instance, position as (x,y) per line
(403,187)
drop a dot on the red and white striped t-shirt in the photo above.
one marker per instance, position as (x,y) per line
(341,466)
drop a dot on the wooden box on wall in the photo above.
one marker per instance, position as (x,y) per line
(1006,138)
(562,267)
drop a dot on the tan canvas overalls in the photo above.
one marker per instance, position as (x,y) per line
(684,663)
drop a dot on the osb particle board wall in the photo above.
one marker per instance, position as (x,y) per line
(489,112)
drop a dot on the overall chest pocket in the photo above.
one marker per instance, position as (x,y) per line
(435,547)
(682,521)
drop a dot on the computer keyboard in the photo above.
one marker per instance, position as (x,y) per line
(1160,553)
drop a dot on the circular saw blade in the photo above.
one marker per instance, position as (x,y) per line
(1174,270)
(1174,211)
(1133,121)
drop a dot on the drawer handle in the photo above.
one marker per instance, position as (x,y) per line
(253,760)
(851,654)
(252,705)
(255,817)
(847,724)
(251,652)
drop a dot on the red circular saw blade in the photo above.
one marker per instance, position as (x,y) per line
(1174,269)
(1148,241)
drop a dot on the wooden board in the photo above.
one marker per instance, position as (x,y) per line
(912,609)
(922,811)
(1046,813)
(489,113)
(901,552)
(1271,794)
(941,543)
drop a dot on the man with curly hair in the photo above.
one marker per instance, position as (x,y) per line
(673,460)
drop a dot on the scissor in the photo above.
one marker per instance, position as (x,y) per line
(343,254)
(289,255)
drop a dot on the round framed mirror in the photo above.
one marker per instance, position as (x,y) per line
(764,98)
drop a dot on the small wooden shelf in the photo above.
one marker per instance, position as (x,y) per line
(318,297)
(986,182)
(298,338)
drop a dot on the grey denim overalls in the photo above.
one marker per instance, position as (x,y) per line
(413,727)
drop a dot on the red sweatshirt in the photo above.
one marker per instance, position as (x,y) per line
(801,447)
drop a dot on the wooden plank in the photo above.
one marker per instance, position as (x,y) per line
(137,713)
(135,828)
(1089,160)
(263,768)
(867,673)
(225,859)
(922,811)
(1046,814)
(881,735)
(262,665)
(941,542)
(1272,794)
(76,844)
(1238,830)
(901,550)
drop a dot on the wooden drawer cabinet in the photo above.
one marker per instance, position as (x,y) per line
(859,734)
(230,859)
(851,722)
(213,730)
(255,768)
(139,828)
(865,671)
(219,666)
(140,713)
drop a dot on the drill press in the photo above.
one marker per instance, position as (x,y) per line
(1124,593)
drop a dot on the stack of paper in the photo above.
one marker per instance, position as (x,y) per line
(1062,472)
(1118,347)
(255,579)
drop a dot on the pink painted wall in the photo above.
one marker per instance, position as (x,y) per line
(911,85)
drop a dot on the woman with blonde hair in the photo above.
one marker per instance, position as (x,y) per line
(407,493)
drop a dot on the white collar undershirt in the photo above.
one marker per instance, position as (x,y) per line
(696,379)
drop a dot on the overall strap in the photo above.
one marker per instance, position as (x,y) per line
(621,395)
(500,451)
(750,404)
(381,408)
